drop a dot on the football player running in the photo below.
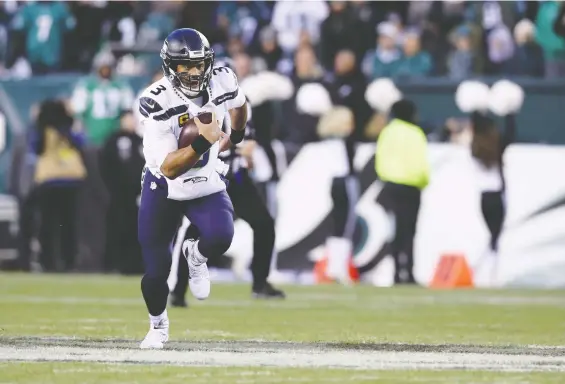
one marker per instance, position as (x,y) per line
(184,181)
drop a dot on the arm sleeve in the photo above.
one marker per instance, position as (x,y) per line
(158,141)
(237,101)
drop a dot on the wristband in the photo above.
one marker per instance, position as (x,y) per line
(200,145)
(237,136)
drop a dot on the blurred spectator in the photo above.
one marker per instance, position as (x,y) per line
(121,163)
(243,18)
(418,12)
(120,22)
(100,99)
(298,21)
(339,31)
(492,14)
(156,27)
(414,62)
(234,46)
(552,44)
(394,19)
(442,17)
(496,19)
(500,49)
(44,25)
(152,32)
(301,128)
(306,66)
(58,174)
(364,13)
(202,16)
(384,60)
(6,12)
(85,41)
(347,88)
(242,65)
(528,57)
(269,51)
(559,24)
(460,59)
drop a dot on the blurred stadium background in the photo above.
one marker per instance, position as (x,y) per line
(55,50)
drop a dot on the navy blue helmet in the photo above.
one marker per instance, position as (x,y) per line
(191,49)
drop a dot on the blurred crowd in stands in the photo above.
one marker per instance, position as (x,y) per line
(343,45)
(394,39)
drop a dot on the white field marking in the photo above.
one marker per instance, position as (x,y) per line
(453,298)
(259,341)
(290,304)
(304,301)
(293,359)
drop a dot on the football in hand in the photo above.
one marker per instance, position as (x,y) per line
(189,131)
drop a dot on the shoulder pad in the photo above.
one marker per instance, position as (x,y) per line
(154,100)
(158,91)
(226,78)
(148,106)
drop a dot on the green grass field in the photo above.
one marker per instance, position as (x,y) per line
(86,329)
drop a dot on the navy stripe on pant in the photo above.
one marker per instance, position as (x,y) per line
(158,220)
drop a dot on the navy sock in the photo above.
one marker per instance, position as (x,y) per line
(155,292)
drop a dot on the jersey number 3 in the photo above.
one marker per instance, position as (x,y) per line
(158,90)
(217,70)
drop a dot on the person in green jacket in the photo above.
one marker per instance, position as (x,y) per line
(401,162)
(414,63)
(100,99)
(552,44)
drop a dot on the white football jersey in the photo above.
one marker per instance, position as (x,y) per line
(164,109)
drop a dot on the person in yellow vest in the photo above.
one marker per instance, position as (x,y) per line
(59,171)
(401,162)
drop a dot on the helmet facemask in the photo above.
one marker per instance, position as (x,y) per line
(191,76)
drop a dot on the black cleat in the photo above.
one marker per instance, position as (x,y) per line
(267,292)
(179,302)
